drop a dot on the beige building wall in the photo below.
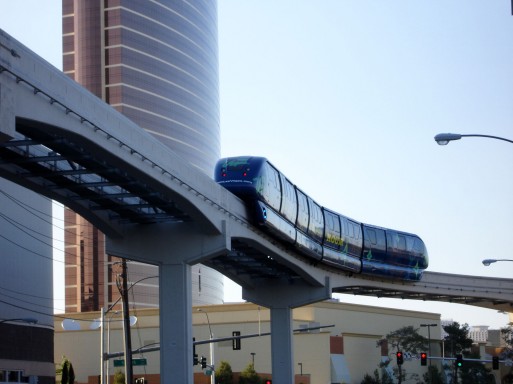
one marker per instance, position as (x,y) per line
(359,326)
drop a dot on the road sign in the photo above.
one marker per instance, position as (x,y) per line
(141,361)
(119,363)
(135,362)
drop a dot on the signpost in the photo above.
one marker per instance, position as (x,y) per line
(135,362)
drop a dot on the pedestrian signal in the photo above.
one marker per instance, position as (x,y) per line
(236,340)
(399,356)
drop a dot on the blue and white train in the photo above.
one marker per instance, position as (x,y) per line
(325,236)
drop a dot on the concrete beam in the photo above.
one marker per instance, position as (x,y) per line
(163,243)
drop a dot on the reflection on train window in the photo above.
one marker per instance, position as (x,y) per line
(401,242)
(371,233)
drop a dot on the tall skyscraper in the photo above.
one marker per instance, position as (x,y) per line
(155,61)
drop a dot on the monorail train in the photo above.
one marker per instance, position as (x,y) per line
(317,232)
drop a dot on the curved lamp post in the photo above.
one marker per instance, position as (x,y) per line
(445,138)
(487,262)
(212,357)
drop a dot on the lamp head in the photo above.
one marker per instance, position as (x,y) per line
(487,262)
(444,138)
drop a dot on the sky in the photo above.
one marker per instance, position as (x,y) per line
(345,97)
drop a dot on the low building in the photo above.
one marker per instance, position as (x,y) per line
(342,351)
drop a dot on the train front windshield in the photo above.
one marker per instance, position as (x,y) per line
(232,168)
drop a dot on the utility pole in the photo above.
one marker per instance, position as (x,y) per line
(126,326)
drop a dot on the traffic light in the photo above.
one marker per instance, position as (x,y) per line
(399,356)
(194,354)
(495,362)
(459,360)
(268,381)
(203,362)
(236,341)
(423,358)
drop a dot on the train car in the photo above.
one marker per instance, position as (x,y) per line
(289,214)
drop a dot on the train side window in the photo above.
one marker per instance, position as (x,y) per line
(401,242)
(332,235)
(375,241)
(289,203)
(272,186)
(273,175)
(302,214)
(316,223)
(398,241)
(418,246)
(371,236)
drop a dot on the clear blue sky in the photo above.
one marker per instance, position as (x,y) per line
(345,96)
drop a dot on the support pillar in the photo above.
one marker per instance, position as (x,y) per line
(173,248)
(175,323)
(282,345)
(281,297)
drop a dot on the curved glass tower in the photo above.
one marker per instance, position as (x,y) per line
(156,61)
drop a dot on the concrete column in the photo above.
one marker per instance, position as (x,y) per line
(173,247)
(175,323)
(281,297)
(282,345)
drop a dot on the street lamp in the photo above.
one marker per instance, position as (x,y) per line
(212,361)
(445,138)
(429,347)
(487,262)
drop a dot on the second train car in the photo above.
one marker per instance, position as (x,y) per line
(319,233)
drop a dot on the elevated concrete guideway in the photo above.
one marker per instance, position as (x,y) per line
(61,141)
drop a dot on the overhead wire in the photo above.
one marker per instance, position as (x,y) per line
(32,233)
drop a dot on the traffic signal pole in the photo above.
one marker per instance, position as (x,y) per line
(129,373)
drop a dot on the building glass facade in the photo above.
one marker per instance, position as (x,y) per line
(157,63)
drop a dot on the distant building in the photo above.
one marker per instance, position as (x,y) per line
(343,352)
(26,292)
(495,338)
(478,333)
(157,63)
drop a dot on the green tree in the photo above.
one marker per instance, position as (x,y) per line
(66,371)
(224,374)
(433,375)
(119,377)
(475,372)
(405,339)
(385,379)
(249,375)
(457,339)
(458,342)
(368,379)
